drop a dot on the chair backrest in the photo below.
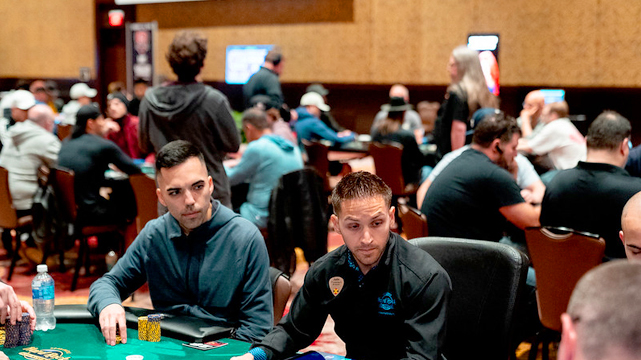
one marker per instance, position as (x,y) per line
(297,218)
(414,222)
(488,283)
(560,257)
(317,158)
(64,130)
(144,189)
(8,216)
(281,289)
(63,185)
(387,162)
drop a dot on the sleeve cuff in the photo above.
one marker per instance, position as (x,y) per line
(258,353)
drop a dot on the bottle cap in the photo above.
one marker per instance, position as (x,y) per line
(42,268)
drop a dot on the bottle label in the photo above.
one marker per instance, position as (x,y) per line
(43,293)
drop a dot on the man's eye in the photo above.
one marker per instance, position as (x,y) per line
(198,187)
(173,193)
(377,223)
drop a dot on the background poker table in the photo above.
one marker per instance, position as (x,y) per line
(77,336)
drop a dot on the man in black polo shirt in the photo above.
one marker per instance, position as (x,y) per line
(475,194)
(591,196)
(388,298)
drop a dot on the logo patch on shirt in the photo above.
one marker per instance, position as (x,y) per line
(386,304)
(336,285)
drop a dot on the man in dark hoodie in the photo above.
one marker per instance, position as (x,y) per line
(267,158)
(192,111)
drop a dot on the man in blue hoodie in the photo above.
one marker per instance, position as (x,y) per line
(200,259)
(266,159)
(310,127)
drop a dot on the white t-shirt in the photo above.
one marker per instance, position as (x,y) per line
(562,142)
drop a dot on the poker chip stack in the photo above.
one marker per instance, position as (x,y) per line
(142,328)
(12,334)
(118,338)
(153,327)
(25,330)
(2,337)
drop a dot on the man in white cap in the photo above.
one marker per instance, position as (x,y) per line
(20,102)
(81,94)
(310,127)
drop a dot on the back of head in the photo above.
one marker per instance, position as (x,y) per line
(360,185)
(495,126)
(560,108)
(256,117)
(274,56)
(607,131)
(86,113)
(41,114)
(399,90)
(472,78)
(176,153)
(186,55)
(605,310)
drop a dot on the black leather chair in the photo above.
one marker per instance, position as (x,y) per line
(281,289)
(488,283)
(297,218)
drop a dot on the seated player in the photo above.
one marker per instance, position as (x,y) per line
(387,297)
(267,158)
(630,233)
(602,319)
(200,259)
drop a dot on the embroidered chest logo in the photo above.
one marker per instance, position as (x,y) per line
(386,304)
(336,285)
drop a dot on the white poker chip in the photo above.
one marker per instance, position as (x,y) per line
(134,357)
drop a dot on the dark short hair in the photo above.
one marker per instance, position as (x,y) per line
(176,153)
(495,126)
(604,308)
(186,54)
(274,56)
(256,117)
(360,185)
(607,131)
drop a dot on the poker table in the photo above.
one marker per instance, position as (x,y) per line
(77,336)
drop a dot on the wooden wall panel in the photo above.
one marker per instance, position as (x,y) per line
(46,39)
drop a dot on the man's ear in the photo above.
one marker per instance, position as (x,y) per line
(568,345)
(334,220)
(160,197)
(211,185)
(623,147)
(622,237)
(392,216)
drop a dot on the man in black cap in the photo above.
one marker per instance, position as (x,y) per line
(89,154)
(411,119)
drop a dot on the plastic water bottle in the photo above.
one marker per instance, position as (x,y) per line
(42,288)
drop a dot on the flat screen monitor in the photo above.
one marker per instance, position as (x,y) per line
(553,95)
(488,47)
(242,61)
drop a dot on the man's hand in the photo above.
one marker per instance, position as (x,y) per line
(344,133)
(111,316)
(10,305)
(3,356)
(246,356)
(32,314)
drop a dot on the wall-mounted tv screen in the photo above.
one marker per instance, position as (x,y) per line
(553,95)
(242,61)
(488,47)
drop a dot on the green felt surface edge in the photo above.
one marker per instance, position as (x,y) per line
(84,341)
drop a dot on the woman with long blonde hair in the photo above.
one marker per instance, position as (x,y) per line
(466,93)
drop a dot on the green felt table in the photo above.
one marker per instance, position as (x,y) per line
(85,341)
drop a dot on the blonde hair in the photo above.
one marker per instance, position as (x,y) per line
(472,79)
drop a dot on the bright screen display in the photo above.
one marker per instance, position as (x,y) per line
(242,61)
(488,47)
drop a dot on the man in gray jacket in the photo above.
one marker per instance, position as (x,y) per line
(190,110)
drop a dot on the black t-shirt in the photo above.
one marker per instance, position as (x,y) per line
(412,159)
(453,107)
(590,197)
(464,200)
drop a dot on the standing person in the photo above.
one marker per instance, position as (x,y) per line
(192,111)
(265,81)
(467,93)
(387,297)
(140,87)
